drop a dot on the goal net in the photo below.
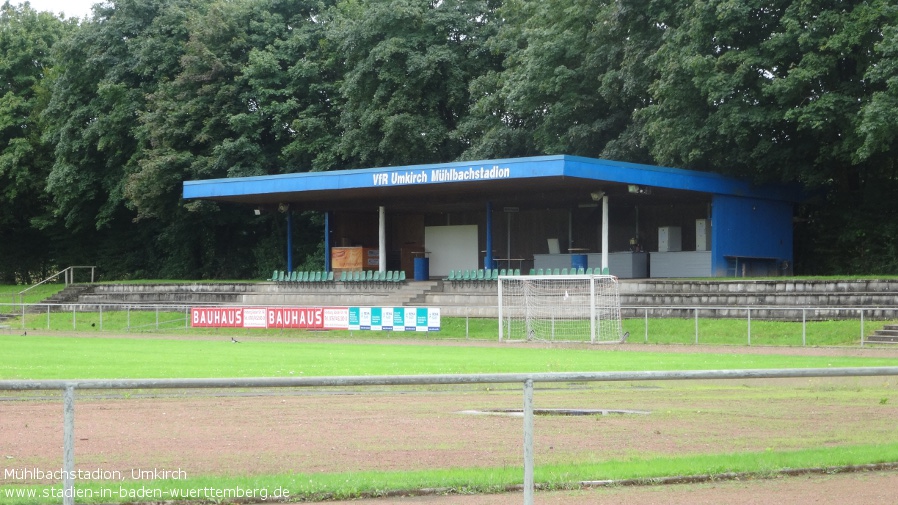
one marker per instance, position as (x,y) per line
(560,308)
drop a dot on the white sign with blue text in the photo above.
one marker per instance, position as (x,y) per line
(394,318)
(427,176)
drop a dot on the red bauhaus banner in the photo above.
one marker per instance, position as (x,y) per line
(305,317)
(216,317)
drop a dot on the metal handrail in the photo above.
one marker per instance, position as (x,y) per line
(68,387)
(20,296)
(69,278)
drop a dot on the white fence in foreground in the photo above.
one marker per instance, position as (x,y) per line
(69,386)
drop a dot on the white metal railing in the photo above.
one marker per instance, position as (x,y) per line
(805,315)
(69,386)
(68,277)
(788,314)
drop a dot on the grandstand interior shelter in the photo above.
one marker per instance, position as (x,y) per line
(542,212)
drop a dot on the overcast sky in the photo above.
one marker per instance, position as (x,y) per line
(72,8)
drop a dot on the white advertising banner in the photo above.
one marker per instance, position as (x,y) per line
(325,318)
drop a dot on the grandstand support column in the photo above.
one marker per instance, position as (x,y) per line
(327,240)
(488,259)
(570,228)
(289,239)
(604,232)
(382,239)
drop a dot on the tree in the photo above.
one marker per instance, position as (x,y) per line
(293,84)
(774,91)
(227,112)
(26,42)
(573,76)
(102,121)
(408,64)
(106,69)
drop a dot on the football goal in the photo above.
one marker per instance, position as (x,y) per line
(560,308)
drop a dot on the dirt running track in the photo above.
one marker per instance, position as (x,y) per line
(286,432)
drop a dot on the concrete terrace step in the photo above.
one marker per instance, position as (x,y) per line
(876,338)
(253,294)
(792,300)
(645,286)
(887,335)
(70,293)
(819,300)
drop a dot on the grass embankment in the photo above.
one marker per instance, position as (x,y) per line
(41,357)
(10,293)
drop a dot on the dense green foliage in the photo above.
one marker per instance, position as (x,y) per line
(102,120)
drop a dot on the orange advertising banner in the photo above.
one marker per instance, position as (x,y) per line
(346,258)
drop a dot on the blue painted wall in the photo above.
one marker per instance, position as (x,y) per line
(749,227)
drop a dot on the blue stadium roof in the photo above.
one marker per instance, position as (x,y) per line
(542,178)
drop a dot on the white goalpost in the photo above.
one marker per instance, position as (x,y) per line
(560,308)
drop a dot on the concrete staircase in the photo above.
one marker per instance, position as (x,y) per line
(69,294)
(887,335)
(474,299)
